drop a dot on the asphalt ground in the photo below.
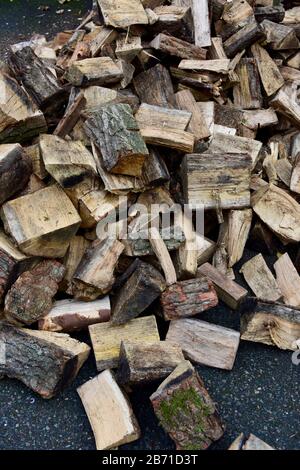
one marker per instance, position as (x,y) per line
(260,395)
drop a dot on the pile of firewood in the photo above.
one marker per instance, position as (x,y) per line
(156,102)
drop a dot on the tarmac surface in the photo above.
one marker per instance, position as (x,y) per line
(260,395)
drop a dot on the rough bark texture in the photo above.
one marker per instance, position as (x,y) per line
(142,363)
(155,87)
(186,411)
(188,298)
(116,134)
(54,358)
(30,297)
(140,290)
(243,39)
(15,170)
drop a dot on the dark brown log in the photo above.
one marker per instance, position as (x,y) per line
(139,291)
(15,170)
(178,48)
(142,363)
(30,297)
(186,411)
(71,116)
(176,20)
(155,87)
(36,77)
(155,170)
(188,298)
(115,132)
(243,38)
(271,13)
(280,36)
(54,358)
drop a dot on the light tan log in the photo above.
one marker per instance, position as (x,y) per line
(157,116)
(222,143)
(71,260)
(228,291)
(109,412)
(106,338)
(122,13)
(95,71)
(170,138)
(288,280)
(197,126)
(284,103)
(261,280)
(270,75)
(218,66)
(162,254)
(239,223)
(205,343)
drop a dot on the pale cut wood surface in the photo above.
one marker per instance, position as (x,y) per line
(162,253)
(205,343)
(260,278)
(95,71)
(197,126)
(218,65)
(235,144)
(170,138)
(157,116)
(288,280)
(239,223)
(200,13)
(270,75)
(109,412)
(106,338)
(122,13)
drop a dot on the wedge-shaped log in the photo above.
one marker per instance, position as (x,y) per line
(295,176)
(15,170)
(106,338)
(128,47)
(38,167)
(243,38)
(280,36)
(122,13)
(95,71)
(224,143)
(269,73)
(250,443)
(205,248)
(156,116)
(41,223)
(37,78)
(217,180)
(73,315)
(154,86)
(273,324)
(239,223)
(197,126)
(160,249)
(247,93)
(97,96)
(178,48)
(96,205)
(142,363)
(54,358)
(186,411)
(218,65)
(188,298)
(279,211)
(30,297)
(12,263)
(288,280)
(20,117)
(139,291)
(115,132)
(94,275)
(72,258)
(170,138)
(260,278)
(205,343)
(229,291)
(155,171)
(284,103)
(173,19)
(109,412)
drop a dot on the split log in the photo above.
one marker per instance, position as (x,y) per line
(168,137)
(72,315)
(284,103)
(243,39)
(98,96)
(41,223)
(247,93)
(128,47)
(284,171)
(205,343)
(30,297)
(159,117)
(173,19)
(122,13)
(94,275)
(222,143)
(205,248)
(54,358)
(272,324)
(177,48)
(288,280)
(21,119)
(109,412)
(36,77)
(154,86)
(12,263)
(218,180)
(142,363)
(115,132)
(38,167)
(259,118)
(228,291)
(15,170)
(186,411)
(261,280)
(250,443)
(295,176)
(217,66)
(280,36)
(188,298)
(269,12)
(155,169)
(269,73)
(104,36)
(96,205)
(197,126)
(106,338)
(162,254)
(72,258)
(95,71)
(138,292)
(71,116)
(186,256)
(279,211)
(239,223)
